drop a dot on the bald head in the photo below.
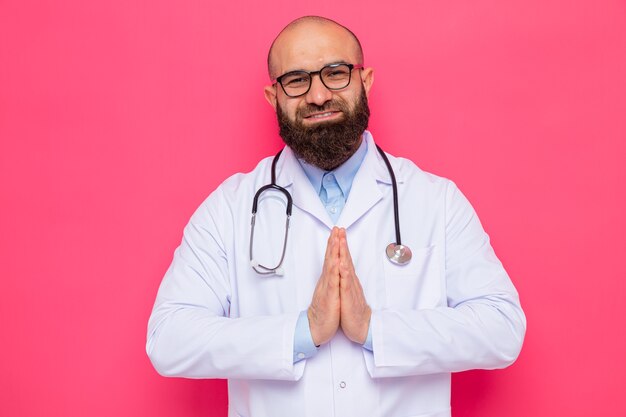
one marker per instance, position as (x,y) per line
(310,32)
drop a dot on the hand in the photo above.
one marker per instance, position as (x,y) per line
(355,313)
(323,313)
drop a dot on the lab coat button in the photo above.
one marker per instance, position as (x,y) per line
(342,384)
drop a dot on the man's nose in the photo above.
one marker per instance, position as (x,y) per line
(318,93)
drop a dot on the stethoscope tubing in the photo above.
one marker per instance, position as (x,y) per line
(259,268)
(396,252)
(394,187)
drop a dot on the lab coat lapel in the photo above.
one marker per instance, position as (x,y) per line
(365,192)
(293,178)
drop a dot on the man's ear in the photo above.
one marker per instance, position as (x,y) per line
(270,95)
(367,78)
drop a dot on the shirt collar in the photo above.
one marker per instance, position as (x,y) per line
(344,174)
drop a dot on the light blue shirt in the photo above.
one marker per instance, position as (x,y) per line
(333,188)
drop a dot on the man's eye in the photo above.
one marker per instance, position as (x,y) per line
(294,81)
(337,73)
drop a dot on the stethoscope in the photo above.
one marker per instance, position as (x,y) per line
(397,253)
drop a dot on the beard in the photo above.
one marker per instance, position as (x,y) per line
(326,145)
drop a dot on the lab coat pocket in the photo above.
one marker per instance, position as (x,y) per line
(417,284)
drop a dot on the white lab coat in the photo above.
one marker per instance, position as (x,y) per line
(452,308)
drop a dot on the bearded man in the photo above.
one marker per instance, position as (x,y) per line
(306,309)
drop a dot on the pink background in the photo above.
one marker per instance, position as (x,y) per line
(118,117)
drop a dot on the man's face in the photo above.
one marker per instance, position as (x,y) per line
(323,126)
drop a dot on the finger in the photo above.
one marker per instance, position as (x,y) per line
(334,252)
(345,249)
(331,257)
(330,274)
(335,242)
(329,243)
(345,259)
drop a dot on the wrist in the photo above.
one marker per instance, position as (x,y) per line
(314,335)
(366,328)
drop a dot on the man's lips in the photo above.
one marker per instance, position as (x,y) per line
(322,115)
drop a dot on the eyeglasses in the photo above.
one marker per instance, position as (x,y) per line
(333,76)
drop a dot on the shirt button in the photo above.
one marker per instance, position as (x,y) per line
(301,355)
(333,210)
(342,384)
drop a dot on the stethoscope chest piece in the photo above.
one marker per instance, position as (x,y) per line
(398,254)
